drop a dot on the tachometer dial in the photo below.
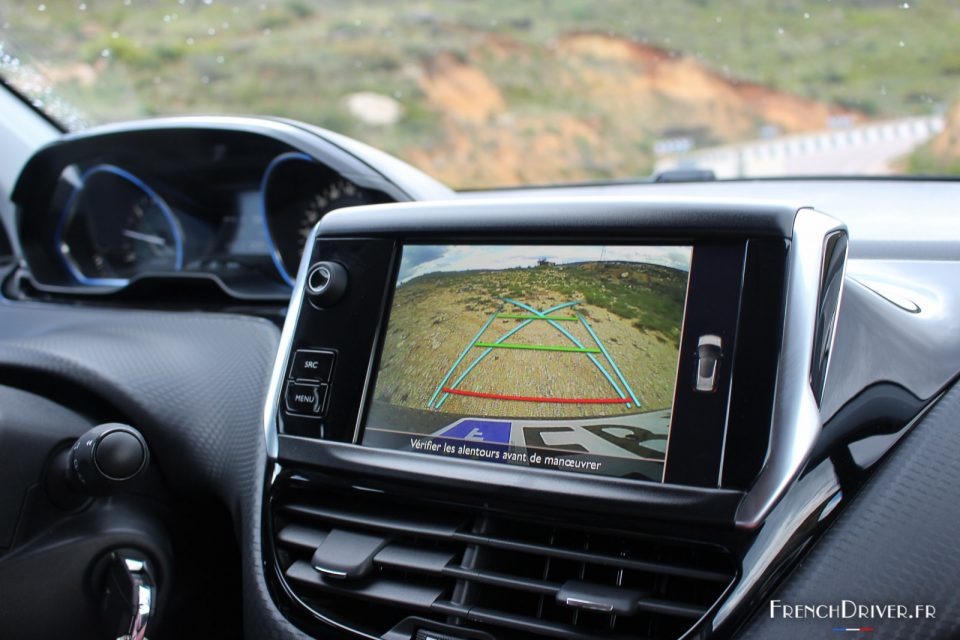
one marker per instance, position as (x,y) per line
(115,227)
(335,195)
(297,191)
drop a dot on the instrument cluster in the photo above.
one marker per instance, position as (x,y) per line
(156,213)
(116,226)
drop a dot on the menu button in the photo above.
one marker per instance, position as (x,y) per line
(305,399)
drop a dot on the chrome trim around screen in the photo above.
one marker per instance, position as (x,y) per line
(796,421)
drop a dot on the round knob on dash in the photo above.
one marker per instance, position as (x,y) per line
(120,455)
(326,282)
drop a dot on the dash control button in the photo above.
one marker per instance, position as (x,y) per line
(309,364)
(709,352)
(305,399)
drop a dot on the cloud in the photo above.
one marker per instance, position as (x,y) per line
(415,255)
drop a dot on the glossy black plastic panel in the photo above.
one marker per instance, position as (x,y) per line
(481,480)
(6,249)
(347,328)
(752,395)
(699,418)
(714,304)
(570,218)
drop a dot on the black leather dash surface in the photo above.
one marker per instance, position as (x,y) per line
(898,543)
(193,383)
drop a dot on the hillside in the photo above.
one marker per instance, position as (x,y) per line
(498,93)
(941,156)
(676,94)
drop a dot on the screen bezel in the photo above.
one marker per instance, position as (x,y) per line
(761,452)
(698,465)
(381,345)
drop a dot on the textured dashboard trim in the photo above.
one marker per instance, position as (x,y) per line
(193,383)
(895,543)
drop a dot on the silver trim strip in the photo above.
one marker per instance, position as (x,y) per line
(590,605)
(142,596)
(277,378)
(732,365)
(796,421)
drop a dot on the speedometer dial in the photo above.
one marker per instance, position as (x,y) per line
(115,227)
(297,191)
(334,195)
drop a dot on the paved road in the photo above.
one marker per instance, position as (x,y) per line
(867,149)
(635,435)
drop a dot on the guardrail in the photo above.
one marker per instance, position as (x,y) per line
(871,148)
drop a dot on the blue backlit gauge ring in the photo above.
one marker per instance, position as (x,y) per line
(281,261)
(296,191)
(115,227)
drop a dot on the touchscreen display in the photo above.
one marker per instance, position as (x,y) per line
(554,357)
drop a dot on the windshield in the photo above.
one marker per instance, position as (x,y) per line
(501,92)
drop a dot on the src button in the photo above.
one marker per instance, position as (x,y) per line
(312,365)
(305,399)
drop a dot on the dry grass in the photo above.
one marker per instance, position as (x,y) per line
(435,317)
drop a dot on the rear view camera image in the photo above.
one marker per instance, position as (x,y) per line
(558,357)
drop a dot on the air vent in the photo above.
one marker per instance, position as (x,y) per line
(513,578)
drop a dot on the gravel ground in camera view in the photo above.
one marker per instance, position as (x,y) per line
(634,309)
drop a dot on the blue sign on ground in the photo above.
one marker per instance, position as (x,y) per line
(480,431)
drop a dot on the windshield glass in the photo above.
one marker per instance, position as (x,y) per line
(501,92)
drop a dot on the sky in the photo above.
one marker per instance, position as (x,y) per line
(421,259)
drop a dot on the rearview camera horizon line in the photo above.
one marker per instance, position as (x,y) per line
(455,259)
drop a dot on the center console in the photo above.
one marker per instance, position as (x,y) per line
(541,418)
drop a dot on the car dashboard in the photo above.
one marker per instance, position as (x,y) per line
(376,408)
